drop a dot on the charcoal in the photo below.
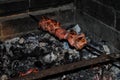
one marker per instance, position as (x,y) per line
(52,39)
(47,36)
(42,50)
(42,44)
(77,28)
(21,41)
(4,77)
(118,75)
(38,64)
(106,49)
(65,45)
(50,58)
(67,79)
(66,57)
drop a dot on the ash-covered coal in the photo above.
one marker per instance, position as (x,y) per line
(34,50)
(38,51)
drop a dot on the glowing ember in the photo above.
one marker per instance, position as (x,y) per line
(32,70)
(76,40)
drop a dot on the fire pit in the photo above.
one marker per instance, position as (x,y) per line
(55,44)
(35,52)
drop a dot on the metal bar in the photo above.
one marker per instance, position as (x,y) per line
(67,67)
(99,51)
(90,46)
(112,58)
(91,51)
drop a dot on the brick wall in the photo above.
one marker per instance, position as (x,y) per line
(10,7)
(99,17)
(102,18)
(15,25)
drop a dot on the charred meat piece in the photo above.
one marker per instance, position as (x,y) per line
(75,40)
